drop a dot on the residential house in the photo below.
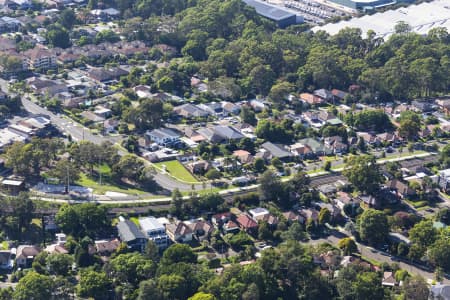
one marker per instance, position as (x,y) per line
(213,108)
(257,106)
(143,91)
(230,227)
(401,189)
(56,249)
(301,150)
(198,167)
(338,94)
(220,219)
(179,232)
(106,248)
(230,108)
(335,144)
(110,125)
(25,255)
(258,212)
(90,116)
(422,106)
(243,156)
(444,180)
(311,99)
(343,198)
(163,136)
(8,24)
(444,105)
(324,94)
(190,111)
(130,234)
(103,112)
(369,138)
(388,138)
(39,58)
(276,150)
(104,75)
(201,230)
(310,214)
(155,231)
(292,217)
(440,292)
(317,147)
(389,279)
(270,219)
(13,185)
(221,133)
(247,224)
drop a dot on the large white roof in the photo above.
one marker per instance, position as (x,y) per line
(421,18)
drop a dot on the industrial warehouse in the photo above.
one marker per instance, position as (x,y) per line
(422,18)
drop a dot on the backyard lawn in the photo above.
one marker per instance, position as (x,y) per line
(177,170)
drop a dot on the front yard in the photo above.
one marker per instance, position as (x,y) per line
(177,170)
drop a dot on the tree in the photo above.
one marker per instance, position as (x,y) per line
(295,232)
(65,171)
(409,124)
(367,286)
(172,286)
(324,216)
(259,164)
(213,174)
(149,290)
(348,246)
(177,203)
(67,18)
(23,208)
(57,36)
(178,253)
(415,288)
(83,219)
(147,115)
(130,268)
(93,284)
(202,296)
(422,235)
(59,264)
(439,252)
(327,165)
(373,226)
(269,186)
(364,173)
(369,120)
(248,116)
(33,286)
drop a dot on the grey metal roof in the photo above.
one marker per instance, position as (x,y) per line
(128,231)
(272,12)
(276,150)
(164,133)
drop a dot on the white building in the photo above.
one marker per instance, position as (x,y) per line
(155,231)
(163,136)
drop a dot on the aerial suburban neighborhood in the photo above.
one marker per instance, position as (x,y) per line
(210,150)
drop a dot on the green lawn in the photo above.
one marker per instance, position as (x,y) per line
(177,170)
(105,187)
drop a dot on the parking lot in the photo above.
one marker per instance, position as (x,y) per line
(314,12)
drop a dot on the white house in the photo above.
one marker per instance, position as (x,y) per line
(155,231)
(163,136)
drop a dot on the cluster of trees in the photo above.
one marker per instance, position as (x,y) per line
(276,61)
(369,120)
(288,193)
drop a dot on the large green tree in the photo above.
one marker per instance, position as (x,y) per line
(364,173)
(373,226)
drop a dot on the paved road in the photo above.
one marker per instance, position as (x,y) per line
(64,124)
(79,132)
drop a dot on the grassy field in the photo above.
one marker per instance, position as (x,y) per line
(177,170)
(102,189)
